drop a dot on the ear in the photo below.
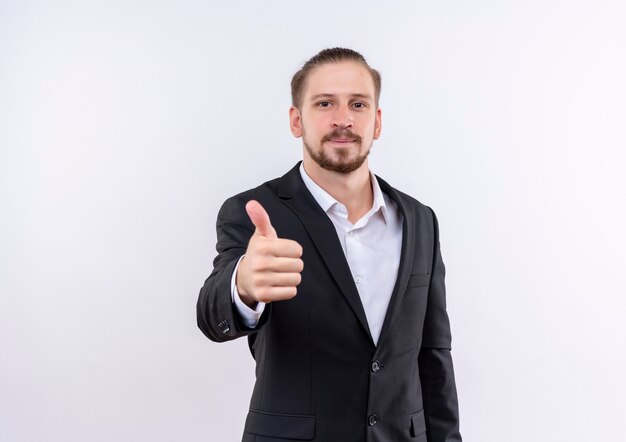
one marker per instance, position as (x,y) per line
(295,121)
(378,123)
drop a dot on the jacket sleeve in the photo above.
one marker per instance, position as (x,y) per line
(217,316)
(435,360)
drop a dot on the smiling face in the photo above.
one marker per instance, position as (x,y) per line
(338,118)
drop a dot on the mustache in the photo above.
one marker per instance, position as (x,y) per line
(341,133)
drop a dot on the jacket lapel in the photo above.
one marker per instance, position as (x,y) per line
(406,257)
(293,192)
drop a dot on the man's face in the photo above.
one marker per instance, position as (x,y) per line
(338,119)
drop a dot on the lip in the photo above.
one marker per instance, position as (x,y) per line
(342,140)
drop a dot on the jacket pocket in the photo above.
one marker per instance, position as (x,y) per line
(286,426)
(419,280)
(418,424)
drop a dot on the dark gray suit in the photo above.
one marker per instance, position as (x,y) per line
(319,375)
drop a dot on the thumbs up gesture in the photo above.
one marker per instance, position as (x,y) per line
(270,270)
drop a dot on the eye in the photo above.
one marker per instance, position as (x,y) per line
(323,104)
(359,105)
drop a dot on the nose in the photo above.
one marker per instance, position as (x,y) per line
(342,117)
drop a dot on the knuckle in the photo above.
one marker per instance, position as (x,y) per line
(260,263)
(262,294)
(264,299)
(254,266)
(295,248)
(258,281)
(262,247)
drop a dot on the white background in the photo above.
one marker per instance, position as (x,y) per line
(125,124)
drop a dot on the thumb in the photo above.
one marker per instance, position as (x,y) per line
(260,219)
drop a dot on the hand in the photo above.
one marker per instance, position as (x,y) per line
(270,270)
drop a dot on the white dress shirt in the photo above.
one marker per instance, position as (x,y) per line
(372,248)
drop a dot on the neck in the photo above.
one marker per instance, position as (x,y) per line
(353,190)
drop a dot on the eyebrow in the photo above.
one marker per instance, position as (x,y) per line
(361,96)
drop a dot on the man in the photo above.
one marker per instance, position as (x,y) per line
(337,280)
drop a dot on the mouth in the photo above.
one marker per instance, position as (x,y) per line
(342,140)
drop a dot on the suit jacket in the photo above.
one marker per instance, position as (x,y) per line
(319,375)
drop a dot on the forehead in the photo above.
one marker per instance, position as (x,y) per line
(342,78)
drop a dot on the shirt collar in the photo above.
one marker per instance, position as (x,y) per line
(326,201)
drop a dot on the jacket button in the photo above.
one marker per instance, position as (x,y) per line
(372,420)
(375,366)
(224,326)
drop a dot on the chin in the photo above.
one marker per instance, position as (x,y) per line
(341,160)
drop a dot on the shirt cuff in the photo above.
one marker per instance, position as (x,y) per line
(250,317)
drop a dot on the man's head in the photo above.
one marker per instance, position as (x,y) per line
(332,55)
(335,109)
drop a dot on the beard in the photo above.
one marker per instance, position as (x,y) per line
(343,163)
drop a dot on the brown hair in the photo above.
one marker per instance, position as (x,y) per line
(331,55)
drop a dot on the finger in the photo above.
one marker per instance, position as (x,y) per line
(271,294)
(283,248)
(276,264)
(277,279)
(286,265)
(260,219)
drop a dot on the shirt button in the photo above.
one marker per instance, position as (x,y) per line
(375,366)
(357,280)
(372,420)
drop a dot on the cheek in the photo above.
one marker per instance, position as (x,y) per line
(372,129)
(313,131)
